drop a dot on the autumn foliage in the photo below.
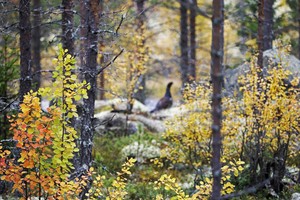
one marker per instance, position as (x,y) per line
(45,140)
(260,136)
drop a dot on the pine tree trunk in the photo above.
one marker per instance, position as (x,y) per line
(192,65)
(83,37)
(101,89)
(67,26)
(141,94)
(184,59)
(299,32)
(90,75)
(36,45)
(25,47)
(268,24)
(260,33)
(101,51)
(217,51)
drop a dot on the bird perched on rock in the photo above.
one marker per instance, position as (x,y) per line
(166,101)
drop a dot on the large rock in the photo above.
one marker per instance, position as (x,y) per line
(271,58)
(120,104)
(115,123)
(295,196)
(107,121)
(274,57)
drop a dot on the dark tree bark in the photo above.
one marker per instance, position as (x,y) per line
(260,33)
(184,58)
(67,40)
(217,51)
(192,64)
(83,37)
(298,180)
(25,47)
(36,45)
(268,24)
(101,51)
(102,74)
(141,94)
(67,26)
(299,29)
(90,75)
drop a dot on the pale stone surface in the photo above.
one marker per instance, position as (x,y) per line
(271,58)
(295,196)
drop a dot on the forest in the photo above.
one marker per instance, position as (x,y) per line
(150,99)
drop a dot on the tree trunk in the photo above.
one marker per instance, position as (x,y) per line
(298,180)
(299,29)
(101,88)
(83,37)
(4,122)
(192,64)
(217,51)
(260,33)
(25,47)
(36,45)
(67,41)
(141,94)
(101,51)
(279,168)
(184,59)
(67,26)
(90,74)
(268,24)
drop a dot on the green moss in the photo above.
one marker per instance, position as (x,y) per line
(107,149)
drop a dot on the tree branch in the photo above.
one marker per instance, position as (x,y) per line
(111,62)
(9,104)
(120,23)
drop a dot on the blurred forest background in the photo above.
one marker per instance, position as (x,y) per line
(79,78)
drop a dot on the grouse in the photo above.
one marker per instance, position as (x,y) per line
(166,101)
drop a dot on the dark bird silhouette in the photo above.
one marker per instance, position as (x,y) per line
(166,101)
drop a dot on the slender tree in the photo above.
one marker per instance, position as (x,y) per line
(299,40)
(184,58)
(140,94)
(25,47)
(101,49)
(217,51)
(36,45)
(90,74)
(83,38)
(67,26)
(298,20)
(192,17)
(268,24)
(260,33)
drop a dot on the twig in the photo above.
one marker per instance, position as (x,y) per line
(5,107)
(111,62)
(121,21)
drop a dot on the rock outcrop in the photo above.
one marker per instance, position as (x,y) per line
(271,58)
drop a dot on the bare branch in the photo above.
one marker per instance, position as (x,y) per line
(121,21)
(111,62)
(9,104)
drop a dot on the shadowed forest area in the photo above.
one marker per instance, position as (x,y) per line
(150,99)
